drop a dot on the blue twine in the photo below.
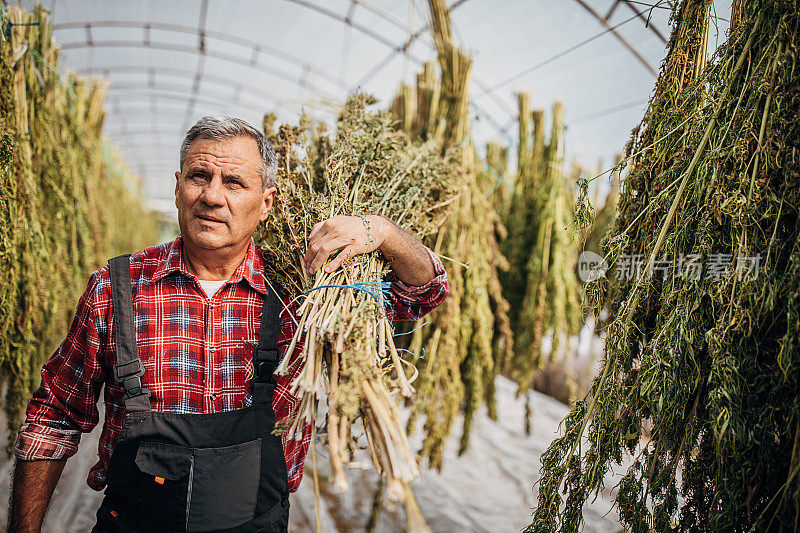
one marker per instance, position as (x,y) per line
(377,292)
(412,331)
(403,349)
(412,353)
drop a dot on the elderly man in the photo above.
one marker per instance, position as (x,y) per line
(186,336)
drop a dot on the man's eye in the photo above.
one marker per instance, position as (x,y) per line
(235,183)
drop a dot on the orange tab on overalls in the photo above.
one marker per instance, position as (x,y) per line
(160,480)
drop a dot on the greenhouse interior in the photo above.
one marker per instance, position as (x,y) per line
(418,265)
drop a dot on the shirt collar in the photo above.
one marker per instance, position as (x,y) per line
(251,268)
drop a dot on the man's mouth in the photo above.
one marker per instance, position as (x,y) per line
(208,218)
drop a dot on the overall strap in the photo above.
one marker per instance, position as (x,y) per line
(265,355)
(128,369)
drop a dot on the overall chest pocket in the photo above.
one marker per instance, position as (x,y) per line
(224,486)
(206,489)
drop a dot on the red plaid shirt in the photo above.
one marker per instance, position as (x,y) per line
(197,353)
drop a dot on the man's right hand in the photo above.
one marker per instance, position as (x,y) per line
(34,482)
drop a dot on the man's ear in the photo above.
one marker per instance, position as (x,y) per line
(268,201)
(177,179)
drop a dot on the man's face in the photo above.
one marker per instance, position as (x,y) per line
(218,193)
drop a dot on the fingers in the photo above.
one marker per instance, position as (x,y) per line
(346,253)
(320,249)
(316,246)
(315,229)
(330,235)
(327,226)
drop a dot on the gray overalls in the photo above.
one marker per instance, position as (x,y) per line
(221,472)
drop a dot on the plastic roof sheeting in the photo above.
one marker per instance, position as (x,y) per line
(170,63)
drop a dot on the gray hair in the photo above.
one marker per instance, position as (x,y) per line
(220,127)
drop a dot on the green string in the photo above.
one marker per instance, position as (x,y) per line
(63,79)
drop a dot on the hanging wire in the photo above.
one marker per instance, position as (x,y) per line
(561,54)
(609,111)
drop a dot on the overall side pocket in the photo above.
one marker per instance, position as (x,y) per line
(163,482)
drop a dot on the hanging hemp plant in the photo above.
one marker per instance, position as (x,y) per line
(540,284)
(66,202)
(496,183)
(458,369)
(521,218)
(604,214)
(702,340)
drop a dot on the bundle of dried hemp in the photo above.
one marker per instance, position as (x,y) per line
(348,352)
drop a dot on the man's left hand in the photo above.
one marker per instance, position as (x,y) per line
(348,234)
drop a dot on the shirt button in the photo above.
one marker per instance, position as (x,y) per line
(213,397)
(212,306)
(212,349)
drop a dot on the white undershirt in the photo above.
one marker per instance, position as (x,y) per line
(211,286)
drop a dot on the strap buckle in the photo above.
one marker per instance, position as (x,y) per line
(265,362)
(123,371)
(130,375)
(133,386)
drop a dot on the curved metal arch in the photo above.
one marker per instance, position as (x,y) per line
(177,132)
(142,151)
(160,156)
(258,47)
(479,82)
(404,46)
(344,20)
(640,14)
(501,130)
(140,144)
(155,175)
(176,96)
(185,74)
(255,46)
(146,119)
(116,107)
(146,164)
(180,97)
(387,15)
(227,99)
(146,122)
(189,50)
(606,24)
(118,111)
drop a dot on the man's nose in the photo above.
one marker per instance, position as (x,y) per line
(212,192)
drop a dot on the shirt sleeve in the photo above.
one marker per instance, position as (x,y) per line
(411,302)
(65,404)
